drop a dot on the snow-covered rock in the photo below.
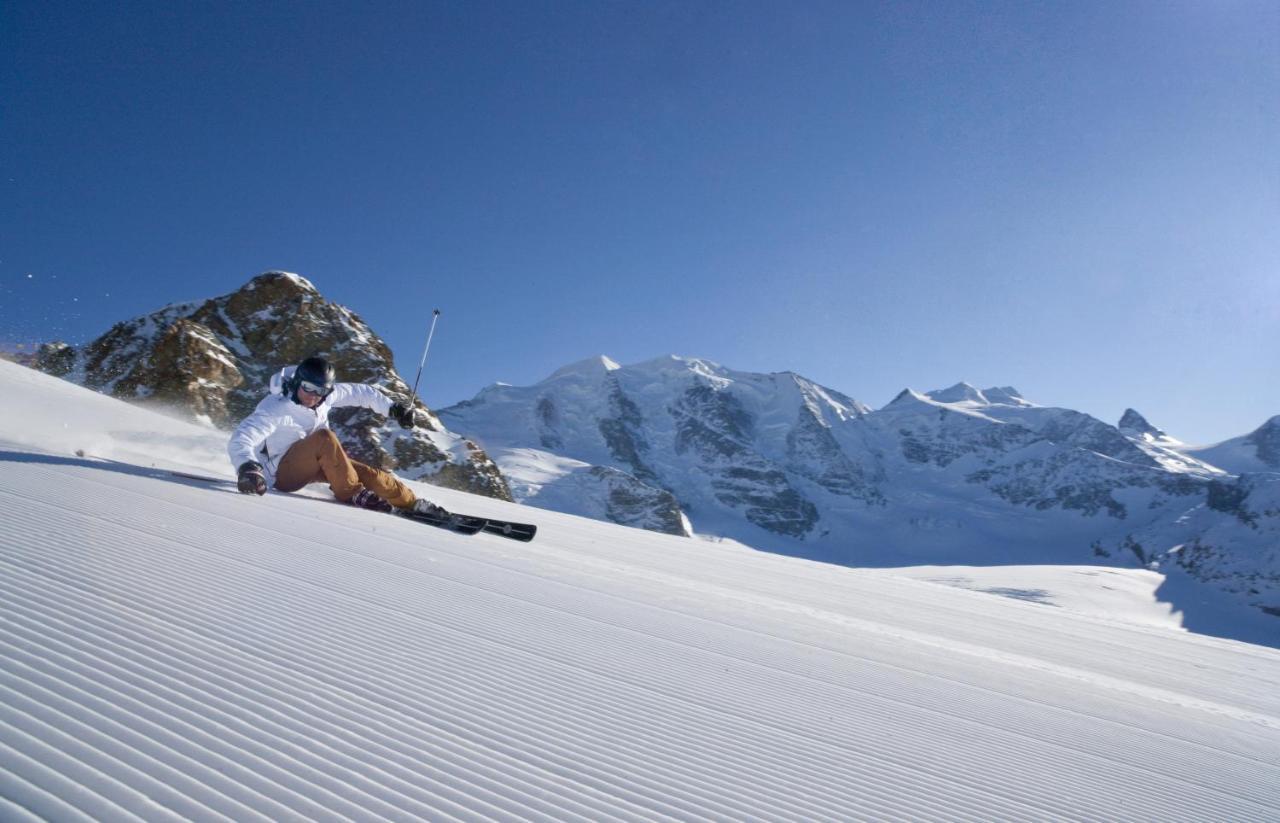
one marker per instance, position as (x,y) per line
(1167,451)
(1133,424)
(212,359)
(717,440)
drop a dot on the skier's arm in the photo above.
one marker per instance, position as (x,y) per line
(358,394)
(246,441)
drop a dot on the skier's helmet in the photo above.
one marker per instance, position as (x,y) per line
(316,374)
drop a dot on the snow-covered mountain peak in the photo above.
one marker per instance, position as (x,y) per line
(274,277)
(1258,451)
(959,393)
(909,397)
(1266,439)
(680,368)
(591,368)
(846,407)
(965,394)
(1135,425)
(910,402)
(1267,429)
(704,368)
(1005,396)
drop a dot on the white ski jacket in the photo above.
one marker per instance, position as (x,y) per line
(278,422)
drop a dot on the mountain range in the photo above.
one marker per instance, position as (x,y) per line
(956,476)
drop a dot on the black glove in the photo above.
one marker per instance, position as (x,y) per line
(402,414)
(250,479)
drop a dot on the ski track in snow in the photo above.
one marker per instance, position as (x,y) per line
(293,662)
(175,651)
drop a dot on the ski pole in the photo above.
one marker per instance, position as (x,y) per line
(435,315)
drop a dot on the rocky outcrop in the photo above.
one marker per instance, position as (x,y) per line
(1231,541)
(178,362)
(622,430)
(1266,442)
(715,430)
(631,503)
(55,358)
(1133,424)
(214,359)
(814,453)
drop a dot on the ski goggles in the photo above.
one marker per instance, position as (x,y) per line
(312,388)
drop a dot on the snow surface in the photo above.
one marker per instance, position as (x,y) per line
(174,650)
(1237,455)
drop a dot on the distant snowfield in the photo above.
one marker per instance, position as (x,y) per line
(171,650)
(1118,594)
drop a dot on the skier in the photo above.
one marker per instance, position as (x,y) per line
(287,441)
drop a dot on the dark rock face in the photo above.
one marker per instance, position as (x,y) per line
(1132,423)
(634,504)
(548,423)
(1231,498)
(950,436)
(766,498)
(182,364)
(714,426)
(1052,482)
(1082,431)
(711,423)
(1266,439)
(215,359)
(813,453)
(57,359)
(623,433)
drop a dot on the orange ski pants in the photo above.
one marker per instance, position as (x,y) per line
(320,458)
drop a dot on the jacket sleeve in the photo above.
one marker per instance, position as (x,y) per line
(358,394)
(246,441)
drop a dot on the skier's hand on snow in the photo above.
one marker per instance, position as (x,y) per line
(250,479)
(402,414)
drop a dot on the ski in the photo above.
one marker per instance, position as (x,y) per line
(468,524)
(524,532)
(460,523)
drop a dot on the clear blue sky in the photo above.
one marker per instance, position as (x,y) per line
(1081,200)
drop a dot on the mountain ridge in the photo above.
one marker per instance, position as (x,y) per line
(780,462)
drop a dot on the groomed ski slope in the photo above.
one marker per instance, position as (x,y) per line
(170,650)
